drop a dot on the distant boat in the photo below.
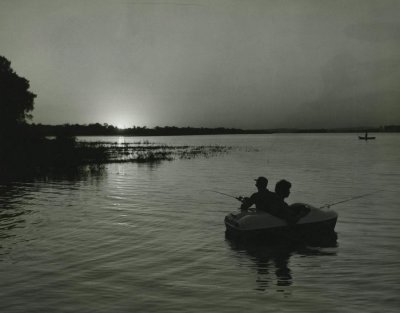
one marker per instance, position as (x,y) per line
(365,137)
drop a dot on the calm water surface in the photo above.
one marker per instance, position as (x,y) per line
(150,238)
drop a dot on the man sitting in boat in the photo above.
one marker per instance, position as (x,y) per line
(262,198)
(279,207)
(291,214)
(282,191)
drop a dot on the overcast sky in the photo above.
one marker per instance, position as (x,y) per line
(207,63)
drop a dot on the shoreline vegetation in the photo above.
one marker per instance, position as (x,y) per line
(26,154)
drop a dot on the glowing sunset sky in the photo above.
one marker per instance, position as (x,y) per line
(207,63)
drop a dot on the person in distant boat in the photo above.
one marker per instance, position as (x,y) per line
(262,198)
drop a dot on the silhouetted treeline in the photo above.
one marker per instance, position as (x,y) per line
(98,129)
(392,128)
(109,130)
(381,129)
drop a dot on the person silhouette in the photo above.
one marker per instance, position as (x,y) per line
(290,213)
(282,189)
(262,198)
(279,207)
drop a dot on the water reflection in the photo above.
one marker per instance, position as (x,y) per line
(12,216)
(22,200)
(92,173)
(271,261)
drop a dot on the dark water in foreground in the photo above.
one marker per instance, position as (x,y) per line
(150,238)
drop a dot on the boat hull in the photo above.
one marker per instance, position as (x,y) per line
(316,225)
(365,138)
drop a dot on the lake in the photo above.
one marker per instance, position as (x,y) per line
(150,237)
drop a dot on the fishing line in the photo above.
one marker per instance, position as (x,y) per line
(352,198)
(225,194)
(328,205)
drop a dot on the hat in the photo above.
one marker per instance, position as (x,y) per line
(262,180)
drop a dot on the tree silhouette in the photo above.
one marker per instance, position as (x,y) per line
(16,101)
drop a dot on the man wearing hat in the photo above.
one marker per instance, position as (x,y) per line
(263,198)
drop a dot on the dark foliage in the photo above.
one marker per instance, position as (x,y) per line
(16,101)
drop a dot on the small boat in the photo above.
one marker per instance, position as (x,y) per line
(365,137)
(313,223)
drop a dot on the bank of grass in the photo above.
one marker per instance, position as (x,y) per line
(36,156)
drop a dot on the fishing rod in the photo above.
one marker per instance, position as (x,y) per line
(227,195)
(322,207)
(352,198)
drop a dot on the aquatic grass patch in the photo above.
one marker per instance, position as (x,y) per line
(149,152)
(203,151)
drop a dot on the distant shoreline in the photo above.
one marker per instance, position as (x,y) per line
(110,130)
